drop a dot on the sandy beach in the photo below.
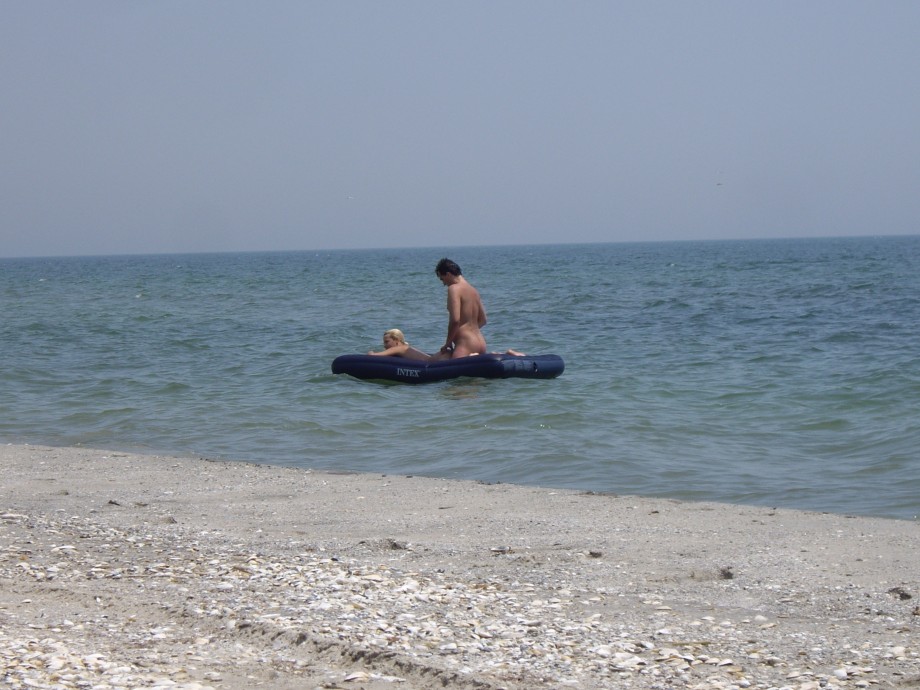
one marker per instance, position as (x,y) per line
(129,571)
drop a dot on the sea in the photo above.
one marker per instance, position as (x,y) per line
(777,373)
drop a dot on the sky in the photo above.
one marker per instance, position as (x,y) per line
(136,127)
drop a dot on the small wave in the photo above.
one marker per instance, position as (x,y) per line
(825,425)
(172,388)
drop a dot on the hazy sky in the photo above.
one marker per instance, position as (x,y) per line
(172,126)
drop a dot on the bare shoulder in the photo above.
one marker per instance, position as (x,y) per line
(464,289)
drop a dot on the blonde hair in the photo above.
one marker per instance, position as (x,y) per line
(396,333)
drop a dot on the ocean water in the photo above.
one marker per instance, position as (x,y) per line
(776,372)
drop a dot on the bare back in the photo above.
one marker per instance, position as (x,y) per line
(466,316)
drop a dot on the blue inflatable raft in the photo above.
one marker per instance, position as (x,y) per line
(489,366)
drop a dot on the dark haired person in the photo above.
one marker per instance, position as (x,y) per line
(466,313)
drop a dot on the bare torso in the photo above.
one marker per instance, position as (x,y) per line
(467,316)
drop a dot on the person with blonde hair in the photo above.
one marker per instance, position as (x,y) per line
(395,345)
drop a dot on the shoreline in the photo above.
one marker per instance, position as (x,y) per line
(160,571)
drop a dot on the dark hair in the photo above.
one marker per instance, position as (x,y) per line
(447,266)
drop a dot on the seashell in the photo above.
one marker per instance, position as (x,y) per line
(666,653)
(624,660)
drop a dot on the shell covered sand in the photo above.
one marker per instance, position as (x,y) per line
(127,571)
